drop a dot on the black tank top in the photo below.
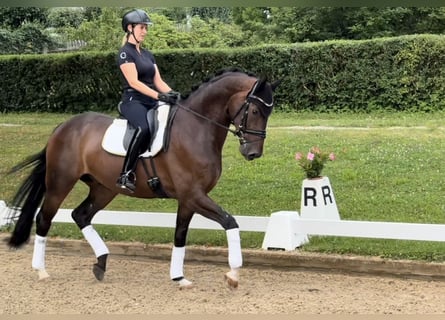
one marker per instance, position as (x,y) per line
(145,66)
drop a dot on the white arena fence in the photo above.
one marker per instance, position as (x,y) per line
(283,230)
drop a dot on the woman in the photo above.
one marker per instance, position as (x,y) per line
(143,87)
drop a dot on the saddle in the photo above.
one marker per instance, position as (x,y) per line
(118,135)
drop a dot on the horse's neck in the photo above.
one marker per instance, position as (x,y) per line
(211,118)
(214,100)
(206,121)
(208,118)
(212,107)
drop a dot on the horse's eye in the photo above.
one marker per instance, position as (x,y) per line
(255,111)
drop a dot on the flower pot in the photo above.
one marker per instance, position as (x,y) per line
(317,200)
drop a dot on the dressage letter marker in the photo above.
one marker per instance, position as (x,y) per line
(317,200)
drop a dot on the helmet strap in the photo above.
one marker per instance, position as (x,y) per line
(132,33)
(137,41)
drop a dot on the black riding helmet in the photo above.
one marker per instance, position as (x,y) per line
(135,16)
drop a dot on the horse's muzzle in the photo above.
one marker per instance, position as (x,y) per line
(252,156)
(250,153)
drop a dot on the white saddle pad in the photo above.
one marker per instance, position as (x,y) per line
(113,140)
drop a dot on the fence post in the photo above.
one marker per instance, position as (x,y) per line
(281,232)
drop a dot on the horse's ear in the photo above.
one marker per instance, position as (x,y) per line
(262,81)
(275,84)
(259,85)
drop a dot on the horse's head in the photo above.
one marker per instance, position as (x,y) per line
(251,118)
(238,98)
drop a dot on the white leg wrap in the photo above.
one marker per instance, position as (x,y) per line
(95,241)
(177,262)
(38,256)
(234,244)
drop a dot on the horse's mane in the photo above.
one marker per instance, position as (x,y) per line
(217,76)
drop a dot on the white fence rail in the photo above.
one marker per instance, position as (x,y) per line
(291,227)
(373,229)
(151,219)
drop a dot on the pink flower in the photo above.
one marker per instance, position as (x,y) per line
(310,156)
(298,156)
(313,161)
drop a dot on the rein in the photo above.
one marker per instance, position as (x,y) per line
(206,118)
(242,127)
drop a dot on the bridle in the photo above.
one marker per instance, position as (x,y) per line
(242,128)
(244,109)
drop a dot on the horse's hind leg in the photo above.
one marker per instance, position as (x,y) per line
(53,199)
(97,199)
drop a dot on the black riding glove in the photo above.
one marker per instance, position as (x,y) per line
(170,97)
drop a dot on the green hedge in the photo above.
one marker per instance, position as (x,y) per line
(59,83)
(401,73)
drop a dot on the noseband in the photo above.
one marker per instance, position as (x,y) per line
(242,128)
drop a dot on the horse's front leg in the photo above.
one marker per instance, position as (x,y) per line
(210,210)
(183,219)
(235,255)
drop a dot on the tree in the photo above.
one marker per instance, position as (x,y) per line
(256,22)
(216,27)
(103,32)
(92,13)
(222,14)
(13,17)
(214,33)
(30,39)
(299,24)
(176,14)
(23,30)
(434,21)
(62,17)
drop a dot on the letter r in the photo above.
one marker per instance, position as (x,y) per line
(310,193)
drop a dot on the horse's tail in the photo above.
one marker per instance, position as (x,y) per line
(28,198)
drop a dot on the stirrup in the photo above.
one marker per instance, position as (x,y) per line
(127,181)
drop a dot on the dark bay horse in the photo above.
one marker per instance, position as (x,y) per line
(188,170)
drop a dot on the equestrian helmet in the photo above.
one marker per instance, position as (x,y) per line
(135,16)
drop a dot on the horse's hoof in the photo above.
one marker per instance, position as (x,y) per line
(232,282)
(99,272)
(185,284)
(43,274)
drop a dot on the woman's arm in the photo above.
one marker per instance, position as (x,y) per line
(159,83)
(130,73)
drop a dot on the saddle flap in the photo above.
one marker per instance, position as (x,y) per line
(114,140)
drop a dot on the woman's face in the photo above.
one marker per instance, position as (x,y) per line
(140,30)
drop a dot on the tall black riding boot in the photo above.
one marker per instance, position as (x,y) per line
(127,180)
